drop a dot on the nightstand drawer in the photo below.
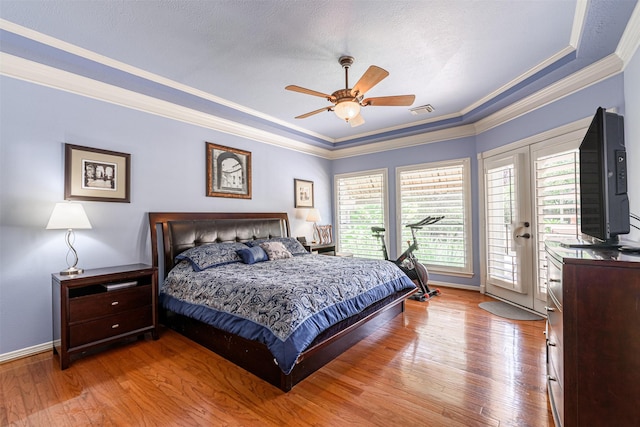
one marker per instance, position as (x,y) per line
(88,332)
(108,303)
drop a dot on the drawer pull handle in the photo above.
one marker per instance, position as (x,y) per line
(550,378)
(115,326)
(551,344)
(555,280)
(549,308)
(114,303)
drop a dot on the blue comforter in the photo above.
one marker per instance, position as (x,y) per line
(284,303)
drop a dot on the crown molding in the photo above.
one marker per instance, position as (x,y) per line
(578,22)
(138,72)
(44,75)
(543,65)
(33,72)
(595,73)
(405,142)
(630,40)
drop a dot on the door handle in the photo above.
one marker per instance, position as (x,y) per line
(525,235)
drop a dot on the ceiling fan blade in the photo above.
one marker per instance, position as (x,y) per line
(369,79)
(356,121)
(309,92)
(304,116)
(390,101)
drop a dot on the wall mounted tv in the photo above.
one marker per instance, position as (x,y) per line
(604,204)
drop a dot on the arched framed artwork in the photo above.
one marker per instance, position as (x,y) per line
(228,172)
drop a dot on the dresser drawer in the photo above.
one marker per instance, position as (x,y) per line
(106,327)
(554,279)
(555,339)
(556,395)
(107,303)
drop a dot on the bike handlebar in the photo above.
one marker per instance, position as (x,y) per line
(427,221)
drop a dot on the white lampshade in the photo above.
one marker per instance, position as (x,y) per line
(313,215)
(66,216)
(347,109)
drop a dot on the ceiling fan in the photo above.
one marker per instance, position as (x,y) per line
(347,101)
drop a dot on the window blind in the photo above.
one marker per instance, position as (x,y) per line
(557,203)
(437,190)
(360,201)
(501,209)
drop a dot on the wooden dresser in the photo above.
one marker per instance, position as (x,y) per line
(101,306)
(593,337)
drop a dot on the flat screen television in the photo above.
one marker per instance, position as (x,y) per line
(604,204)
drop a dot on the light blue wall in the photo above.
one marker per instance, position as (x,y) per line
(632,136)
(167,174)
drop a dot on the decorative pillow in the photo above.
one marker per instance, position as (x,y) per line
(253,255)
(292,244)
(324,234)
(212,255)
(275,250)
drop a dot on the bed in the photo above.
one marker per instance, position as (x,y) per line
(280,318)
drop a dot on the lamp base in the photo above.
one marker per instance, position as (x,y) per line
(71,271)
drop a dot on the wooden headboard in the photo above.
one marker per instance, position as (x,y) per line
(183,230)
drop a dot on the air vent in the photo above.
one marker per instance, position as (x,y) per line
(424,109)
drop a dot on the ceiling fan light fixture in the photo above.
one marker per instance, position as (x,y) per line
(347,110)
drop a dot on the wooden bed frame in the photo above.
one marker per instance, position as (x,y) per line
(180,231)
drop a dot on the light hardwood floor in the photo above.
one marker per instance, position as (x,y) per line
(441,363)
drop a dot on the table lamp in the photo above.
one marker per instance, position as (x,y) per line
(314,216)
(69,216)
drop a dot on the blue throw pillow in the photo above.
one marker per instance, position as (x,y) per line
(211,255)
(253,255)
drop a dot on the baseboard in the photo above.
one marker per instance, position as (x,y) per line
(434,284)
(26,352)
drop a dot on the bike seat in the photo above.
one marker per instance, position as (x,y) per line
(377,229)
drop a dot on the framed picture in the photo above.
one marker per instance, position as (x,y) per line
(94,174)
(303,193)
(228,172)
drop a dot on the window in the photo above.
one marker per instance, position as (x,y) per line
(438,189)
(361,203)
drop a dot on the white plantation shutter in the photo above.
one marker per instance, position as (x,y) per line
(360,204)
(501,211)
(557,203)
(437,189)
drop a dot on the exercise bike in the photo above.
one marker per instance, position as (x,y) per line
(408,262)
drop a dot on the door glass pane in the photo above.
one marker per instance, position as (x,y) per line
(501,212)
(557,203)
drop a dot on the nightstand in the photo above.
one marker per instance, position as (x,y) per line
(329,249)
(101,306)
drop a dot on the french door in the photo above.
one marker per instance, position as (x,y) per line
(508,236)
(530,195)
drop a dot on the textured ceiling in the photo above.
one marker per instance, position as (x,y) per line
(464,57)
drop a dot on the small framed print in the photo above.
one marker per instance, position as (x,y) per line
(97,175)
(303,193)
(228,172)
